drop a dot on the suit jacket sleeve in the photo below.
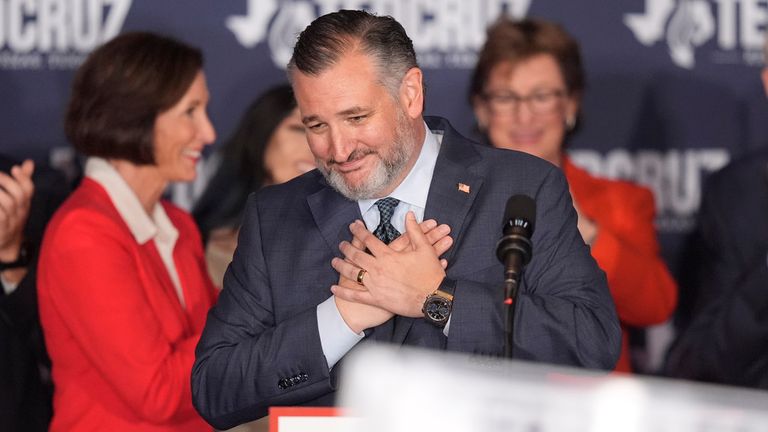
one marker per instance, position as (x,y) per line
(88,281)
(564,311)
(246,361)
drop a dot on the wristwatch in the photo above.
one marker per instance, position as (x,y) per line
(438,305)
(22,260)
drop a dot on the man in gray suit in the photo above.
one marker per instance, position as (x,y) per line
(320,266)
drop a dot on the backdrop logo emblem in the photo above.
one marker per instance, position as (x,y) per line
(735,28)
(287,22)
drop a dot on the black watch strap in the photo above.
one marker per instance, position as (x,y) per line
(448,286)
(22,260)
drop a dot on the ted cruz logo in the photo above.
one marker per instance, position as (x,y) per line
(56,34)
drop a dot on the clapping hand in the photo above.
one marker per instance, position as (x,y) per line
(16,192)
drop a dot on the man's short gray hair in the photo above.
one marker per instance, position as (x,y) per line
(329,37)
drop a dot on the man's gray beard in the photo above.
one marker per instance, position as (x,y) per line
(386,171)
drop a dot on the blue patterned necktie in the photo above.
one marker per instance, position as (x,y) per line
(385,231)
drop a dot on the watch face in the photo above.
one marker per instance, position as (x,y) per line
(437,309)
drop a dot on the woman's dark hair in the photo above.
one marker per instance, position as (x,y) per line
(249,141)
(121,88)
(242,169)
(517,41)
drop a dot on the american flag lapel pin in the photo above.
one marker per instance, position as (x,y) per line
(463,187)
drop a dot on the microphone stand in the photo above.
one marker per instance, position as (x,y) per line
(512,262)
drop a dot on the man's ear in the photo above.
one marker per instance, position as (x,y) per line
(412,93)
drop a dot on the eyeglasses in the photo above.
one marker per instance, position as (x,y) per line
(540,102)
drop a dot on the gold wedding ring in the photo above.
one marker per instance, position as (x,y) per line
(360,275)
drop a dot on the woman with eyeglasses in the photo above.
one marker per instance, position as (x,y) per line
(526,91)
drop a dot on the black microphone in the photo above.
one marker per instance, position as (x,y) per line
(515,248)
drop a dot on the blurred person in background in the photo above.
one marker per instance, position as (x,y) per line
(28,198)
(725,341)
(269,146)
(123,287)
(526,92)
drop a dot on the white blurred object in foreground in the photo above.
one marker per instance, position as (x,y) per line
(392,389)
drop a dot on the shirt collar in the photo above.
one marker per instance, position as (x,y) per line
(414,189)
(128,205)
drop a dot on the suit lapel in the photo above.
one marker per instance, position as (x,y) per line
(448,201)
(451,193)
(332,214)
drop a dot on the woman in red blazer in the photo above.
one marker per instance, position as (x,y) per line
(123,285)
(525,91)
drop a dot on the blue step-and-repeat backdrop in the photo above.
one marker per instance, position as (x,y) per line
(673,85)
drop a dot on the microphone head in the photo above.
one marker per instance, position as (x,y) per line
(520,212)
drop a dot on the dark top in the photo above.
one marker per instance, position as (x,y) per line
(727,337)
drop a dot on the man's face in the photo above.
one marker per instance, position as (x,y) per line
(363,140)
